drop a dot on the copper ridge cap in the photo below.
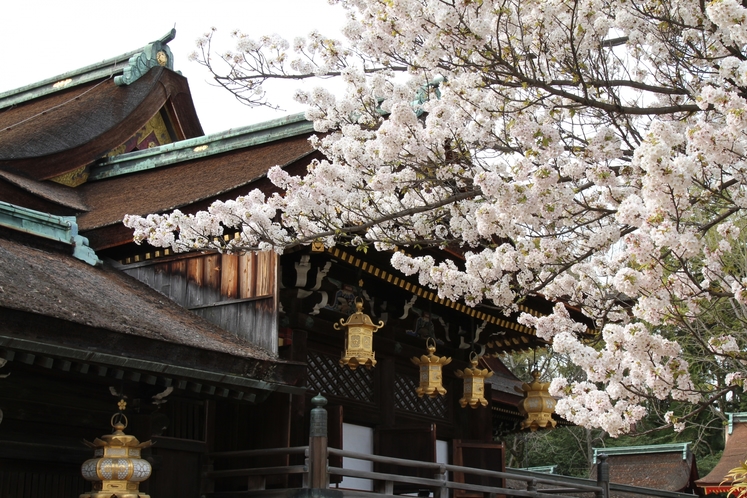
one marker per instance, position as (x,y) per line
(199,147)
(684,448)
(106,68)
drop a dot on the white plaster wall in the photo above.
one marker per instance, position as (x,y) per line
(359,439)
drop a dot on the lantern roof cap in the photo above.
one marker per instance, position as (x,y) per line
(359,318)
(118,437)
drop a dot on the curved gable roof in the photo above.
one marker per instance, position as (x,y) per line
(63,131)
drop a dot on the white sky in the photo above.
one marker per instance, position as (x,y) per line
(41,39)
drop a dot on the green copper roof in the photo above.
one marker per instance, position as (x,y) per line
(195,148)
(735,418)
(644,450)
(542,469)
(126,68)
(60,228)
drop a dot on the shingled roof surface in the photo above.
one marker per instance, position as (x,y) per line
(735,453)
(662,471)
(65,130)
(49,192)
(49,284)
(168,188)
(666,471)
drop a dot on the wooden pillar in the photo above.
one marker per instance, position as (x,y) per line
(387,374)
(318,472)
(207,485)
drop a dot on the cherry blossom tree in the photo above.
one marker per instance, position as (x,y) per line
(589,151)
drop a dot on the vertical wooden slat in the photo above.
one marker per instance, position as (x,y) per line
(247,274)
(159,277)
(211,280)
(229,268)
(55,486)
(145,275)
(35,485)
(178,291)
(266,273)
(229,318)
(195,281)
(272,271)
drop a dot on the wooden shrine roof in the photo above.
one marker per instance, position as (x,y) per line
(50,298)
(734,455)
(188,185)
(46,196)
(68,129)
(662,467)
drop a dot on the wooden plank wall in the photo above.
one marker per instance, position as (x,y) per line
(41,483)
(237,292)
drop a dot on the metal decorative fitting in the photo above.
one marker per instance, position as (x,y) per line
(153,55)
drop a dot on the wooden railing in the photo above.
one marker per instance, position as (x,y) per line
(315,474)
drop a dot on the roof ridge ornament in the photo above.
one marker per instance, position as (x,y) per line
(152,55)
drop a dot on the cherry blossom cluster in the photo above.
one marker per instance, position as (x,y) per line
(592,152)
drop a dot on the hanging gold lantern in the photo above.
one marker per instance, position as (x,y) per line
(431,371)
(358,338)
(537,406)
(474,383)
(116,469)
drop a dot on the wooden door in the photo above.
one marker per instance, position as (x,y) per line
(486,455)
(416,442)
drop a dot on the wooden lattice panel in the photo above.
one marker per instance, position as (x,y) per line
(406,398)
(325,375)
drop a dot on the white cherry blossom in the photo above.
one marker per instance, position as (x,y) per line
(591,152)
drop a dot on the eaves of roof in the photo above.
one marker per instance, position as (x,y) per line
(62,357)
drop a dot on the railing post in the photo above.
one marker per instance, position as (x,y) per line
(603,476)
(442,491)
(532,485)
(318,464)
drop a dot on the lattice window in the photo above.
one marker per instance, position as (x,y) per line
(405,398)
(325,375)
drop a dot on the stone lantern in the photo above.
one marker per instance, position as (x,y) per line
(358,338)
(537,406)
(431,376)
(116,468)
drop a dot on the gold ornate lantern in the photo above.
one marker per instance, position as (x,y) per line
(116,469)
(431,371)
(474,383)
(537,406)
(358,338)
